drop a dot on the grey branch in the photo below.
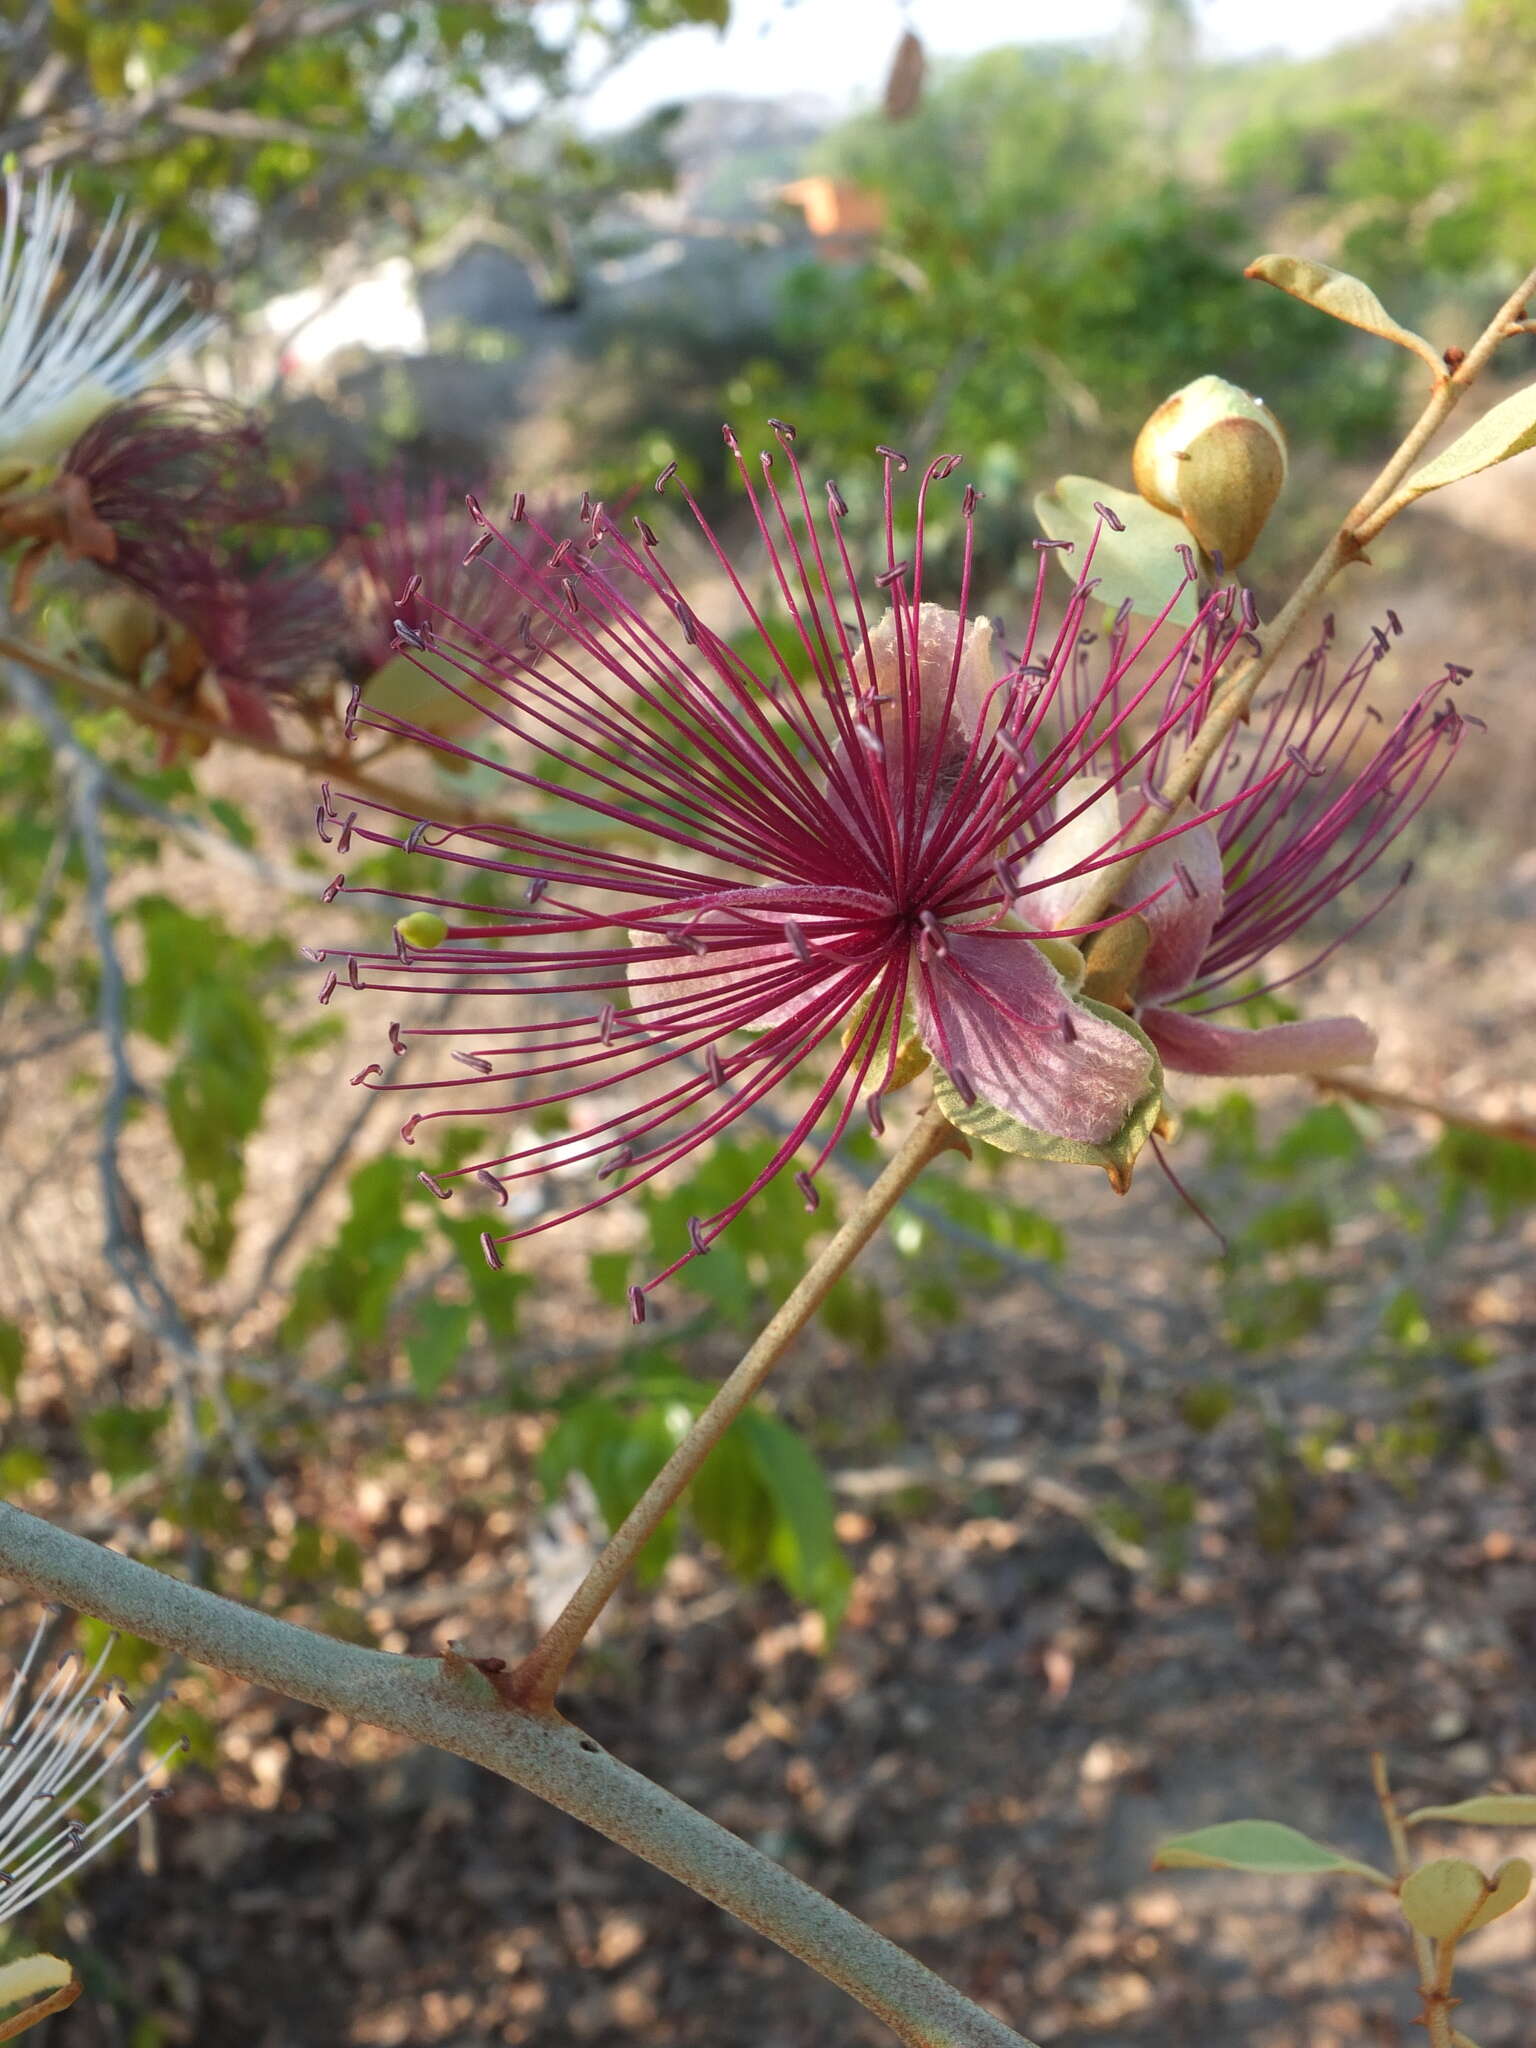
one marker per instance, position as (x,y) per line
(449,1703)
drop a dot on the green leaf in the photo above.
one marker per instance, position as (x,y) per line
(13,1353)
(1117,1155)
(1343,297)
(1141,563)
(1266,1846)
(1487,1810)
(435,1343)
(803,1548)
(1506,429)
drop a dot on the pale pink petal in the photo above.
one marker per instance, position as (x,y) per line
(992,1010)
(1187,870)
(1194,1046)
(937,631)
(675,995)
(1047,886)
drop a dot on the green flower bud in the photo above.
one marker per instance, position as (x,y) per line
(1214,456)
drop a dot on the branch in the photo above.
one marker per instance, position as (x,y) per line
(453,1704)
(84,129)
(1512,1130)
(536,1680)
(1364,519)
(103,689)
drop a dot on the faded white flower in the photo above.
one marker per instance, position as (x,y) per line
(69,348)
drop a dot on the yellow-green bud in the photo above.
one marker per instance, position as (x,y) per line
(1215,457)
(423,929)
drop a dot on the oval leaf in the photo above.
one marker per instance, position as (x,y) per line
(1117,1155)
(1511,1882)
(1488,1810)
(1507,429)
(1344,297)
(1440,1898)
(1266,1846)
(1142,563)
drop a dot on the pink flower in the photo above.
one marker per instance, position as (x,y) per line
(1311,799)
(722,846)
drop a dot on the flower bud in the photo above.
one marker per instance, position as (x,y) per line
(125,627)
(1214,456)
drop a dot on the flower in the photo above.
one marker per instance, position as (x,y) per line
(62,1740)
(169,493)
(66,354)
(736,844)
(1311,806)
(410,537)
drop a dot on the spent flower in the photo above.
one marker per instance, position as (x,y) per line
(1314,788)
(720,848)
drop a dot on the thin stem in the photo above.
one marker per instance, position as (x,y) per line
(1402,1858)
(1344,546)
(1513,1130)
(101,689)
(454,1704)
(537,1679)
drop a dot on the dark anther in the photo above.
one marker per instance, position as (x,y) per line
(620,1164)
(964,1087)
(316,953)
(354,704)
(492,1256)
(473,1059)
(1218,561)
(1406,876)
(637,1304)
(1248,608)
(320,823)
(473,504)
(402,950)
(696,1236)
(477,548)
(809,1192)
(893,455)
(728,436)
(1186,555)
(561,555)
(1007,881)
(943,467)
(716,1066)
(607,1022)
(1110,518)
(415,836)
(1328,628)
(647,533)
(970,501)
(525,629)
(1123,615)
(408,1130)
(933,932)
(1379,642)
(584,510)
(1013,748)
(397,1044)
(1394,623)
(364,1074)
(410,636)
(797,942)
(434,1186)
(783,429)
(1299,760)
(1186,881)
(488,1181)
(568,589)
(1063,546)
(412,589)
(536,888)
(688,623)
(665,478)
(1455,673)
(354,979)
(892,575)
(1154,795)
(333,889)
(1068,1028)
(519,510)
(837,504)
(876,1116)
(327,988)
(344,842)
